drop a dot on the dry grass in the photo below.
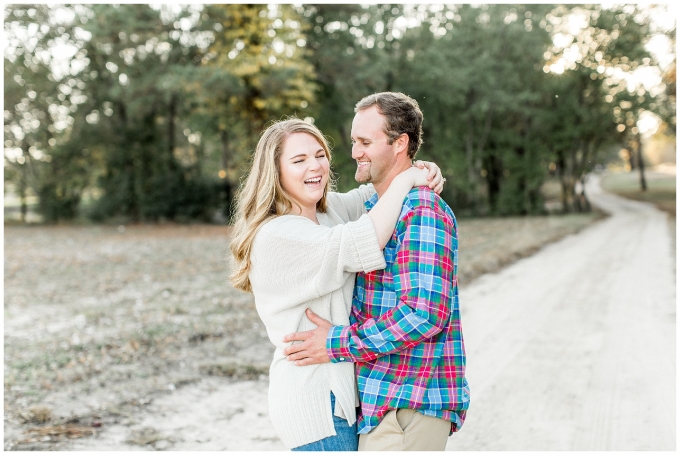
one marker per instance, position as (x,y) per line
(36,414)
(145,436)
(100,320)
(238,370)
(486,245)
(63,430)
(661,191)
(661,188)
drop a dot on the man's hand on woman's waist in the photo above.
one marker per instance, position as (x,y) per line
(312,349)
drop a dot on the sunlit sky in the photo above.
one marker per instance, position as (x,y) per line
(659,45)
(662,49)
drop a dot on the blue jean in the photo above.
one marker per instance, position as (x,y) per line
(346,438)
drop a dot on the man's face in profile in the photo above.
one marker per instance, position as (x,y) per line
(371,150)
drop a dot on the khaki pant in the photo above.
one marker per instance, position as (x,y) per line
(407,429)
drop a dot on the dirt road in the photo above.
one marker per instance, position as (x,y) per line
(574,347)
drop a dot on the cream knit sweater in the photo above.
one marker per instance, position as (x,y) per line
(297,264)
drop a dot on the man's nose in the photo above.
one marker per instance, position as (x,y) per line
(356,153)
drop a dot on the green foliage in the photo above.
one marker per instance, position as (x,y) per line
(61,187)
(35,103)
(488,65)
(159,108)
(256,71)
(133,85)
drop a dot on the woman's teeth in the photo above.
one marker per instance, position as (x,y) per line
(313,181)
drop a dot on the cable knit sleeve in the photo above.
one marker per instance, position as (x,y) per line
(295,259)
(352,201)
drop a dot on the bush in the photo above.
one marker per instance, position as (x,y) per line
(178,196)
(57,202)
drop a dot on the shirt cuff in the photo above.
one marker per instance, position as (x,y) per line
(337,344)
(368,249)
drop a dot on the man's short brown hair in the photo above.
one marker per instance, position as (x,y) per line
(402,115)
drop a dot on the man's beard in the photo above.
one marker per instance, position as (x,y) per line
(363,175)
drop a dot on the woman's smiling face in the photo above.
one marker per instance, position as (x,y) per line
(304,171)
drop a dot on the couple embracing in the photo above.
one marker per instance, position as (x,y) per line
(358,290)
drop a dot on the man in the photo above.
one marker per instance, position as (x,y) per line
(405,335)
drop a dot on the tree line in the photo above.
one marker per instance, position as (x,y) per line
(147,113)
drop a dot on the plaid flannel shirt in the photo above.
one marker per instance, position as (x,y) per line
(405,334)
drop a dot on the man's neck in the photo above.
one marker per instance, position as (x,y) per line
(381,187)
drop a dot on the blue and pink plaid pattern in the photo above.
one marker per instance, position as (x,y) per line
(405,334)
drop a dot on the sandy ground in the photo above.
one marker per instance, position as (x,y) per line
(210,415)
(574,347)
(570,349)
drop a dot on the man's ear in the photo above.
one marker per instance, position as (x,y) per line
(401,144)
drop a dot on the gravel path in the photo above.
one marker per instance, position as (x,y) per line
(574,347)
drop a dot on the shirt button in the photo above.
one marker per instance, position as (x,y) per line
(342,359)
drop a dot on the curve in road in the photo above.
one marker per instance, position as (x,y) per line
(574,348)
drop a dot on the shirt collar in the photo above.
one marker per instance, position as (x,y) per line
(371,202)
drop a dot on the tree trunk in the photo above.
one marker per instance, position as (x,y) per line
(584,198)
(631,158)
(133,208)
(23,181)
(226,161)
(566,206)
(561,166)
(575,206)
(226,155)
(641,162)
(172,113)
(389,81)
(472,178)
(343,138)
(494,173)
(581,166)
(576,200)
(22,194)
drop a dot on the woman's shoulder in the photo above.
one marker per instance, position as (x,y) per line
(336,211)
(284,238)
(350,205)
(284,221)
(292,227)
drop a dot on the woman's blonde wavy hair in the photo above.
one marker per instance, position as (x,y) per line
(261,196)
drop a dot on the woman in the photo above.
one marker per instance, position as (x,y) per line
(297,245)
